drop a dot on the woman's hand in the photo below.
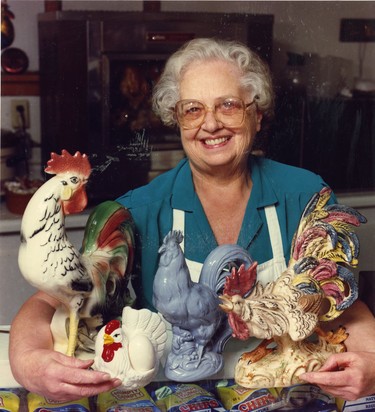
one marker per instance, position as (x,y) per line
(348,375)
(62,378)
(40,369)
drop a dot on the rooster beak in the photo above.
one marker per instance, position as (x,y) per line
(227,305)
(108,340)
(66,193)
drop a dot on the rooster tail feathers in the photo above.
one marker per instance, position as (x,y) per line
(108,250)
(110,229)
(335,282)
(148,323)
(325,240)
(325,231)
(314,208)
(341,292)
(105,219)
(355,217)
(349,280)
(317,202)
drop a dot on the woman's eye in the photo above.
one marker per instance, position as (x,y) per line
(194,110)
(229,105)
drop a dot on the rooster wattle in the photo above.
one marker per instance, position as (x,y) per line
(83,281)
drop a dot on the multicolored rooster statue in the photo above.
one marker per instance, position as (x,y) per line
(92,283)
(315,287)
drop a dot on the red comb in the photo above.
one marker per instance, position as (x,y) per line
(112,326)
(67,163)
(241,281)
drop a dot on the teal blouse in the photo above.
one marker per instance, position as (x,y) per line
(287,187)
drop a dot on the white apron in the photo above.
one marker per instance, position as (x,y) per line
(266,272)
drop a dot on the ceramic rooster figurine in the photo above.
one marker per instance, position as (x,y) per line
(289,309)
(87,283)
(131,351)
(200,329)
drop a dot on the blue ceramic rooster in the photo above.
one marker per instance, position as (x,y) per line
(200,329)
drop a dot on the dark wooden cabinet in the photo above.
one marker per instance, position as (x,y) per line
(84,58)
(332,137)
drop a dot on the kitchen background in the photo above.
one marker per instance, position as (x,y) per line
(328,84)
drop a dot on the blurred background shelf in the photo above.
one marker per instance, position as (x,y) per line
(25,84)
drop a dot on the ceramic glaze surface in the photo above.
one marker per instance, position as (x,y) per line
(86,282)
(130,350)
(199,329)
(288,310)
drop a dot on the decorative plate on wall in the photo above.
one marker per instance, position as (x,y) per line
(14,60)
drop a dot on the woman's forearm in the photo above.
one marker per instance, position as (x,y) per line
(30,329)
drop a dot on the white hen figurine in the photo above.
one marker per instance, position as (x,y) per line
(131,351)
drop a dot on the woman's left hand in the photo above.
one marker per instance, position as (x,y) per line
(347,375)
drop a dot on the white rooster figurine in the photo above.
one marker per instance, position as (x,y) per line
(88,281)
(131,351)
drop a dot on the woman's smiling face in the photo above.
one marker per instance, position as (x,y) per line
(212,145)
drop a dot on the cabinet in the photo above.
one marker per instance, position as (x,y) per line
(332,137)
(95,70)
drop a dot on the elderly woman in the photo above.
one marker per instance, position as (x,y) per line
(218,93)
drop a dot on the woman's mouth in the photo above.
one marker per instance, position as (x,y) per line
(215,142)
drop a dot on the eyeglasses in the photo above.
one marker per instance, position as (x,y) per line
(229,111)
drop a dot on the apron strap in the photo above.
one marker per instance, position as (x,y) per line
(195,268)
(274,232)
(272,222)
(179,224)
(278,261)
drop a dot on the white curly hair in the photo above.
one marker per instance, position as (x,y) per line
(256,78)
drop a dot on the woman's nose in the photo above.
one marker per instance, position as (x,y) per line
(210,122)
